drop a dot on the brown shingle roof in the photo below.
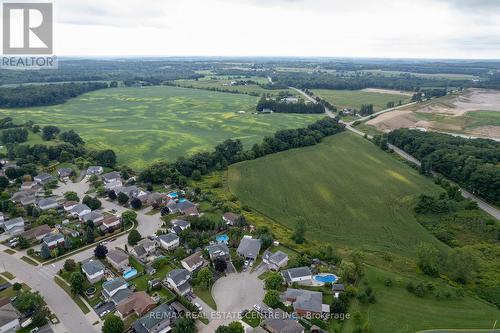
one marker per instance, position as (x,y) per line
(139,303)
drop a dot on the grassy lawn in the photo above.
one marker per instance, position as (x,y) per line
(8,275)
(252,318)
(29,261)
(417,313)
(146,124)
(206,296)
(346,192)
(355,98)
(76,299)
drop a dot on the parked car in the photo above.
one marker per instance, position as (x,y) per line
(257,307)
(104,313)
(34,329)
(198,306)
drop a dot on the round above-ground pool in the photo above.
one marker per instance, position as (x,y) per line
(222,239)
(130,274)
(325,278)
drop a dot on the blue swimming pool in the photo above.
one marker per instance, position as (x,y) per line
(222,239)
(173,195)
(182,200)
(326,278)
(130,273)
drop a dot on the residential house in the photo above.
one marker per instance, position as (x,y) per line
(218,251)
(144,248)
(138,303)
(305,302)
(9,316)
(93,270)
(92,216)
(337,289)
(111,177)
(118,259)
(178,280)
(47,203)
(131,191)
(169,241)
(183,206)
(156,198)
(13,226)
(26,186)
(69,205)
(290,100)
(80,210)
(37,233)
(25,198)
(179,225)
(113,185)
(94,170)
(276,260)
(110,223)
(297,274)
(53,240)
(249,248)
(43,178)
(158,320)
(230,218)
(64,173)
(115,290)
(276,325)
(194,262)
(68,231)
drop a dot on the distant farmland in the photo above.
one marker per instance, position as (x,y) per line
(345,190)
(146,124)
(355,98)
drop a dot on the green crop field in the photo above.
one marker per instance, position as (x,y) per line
(146,124)
(398,311)
(355,98)
(345,190)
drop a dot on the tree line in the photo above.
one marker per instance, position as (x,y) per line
(42,95)
(282,107)
(232,151)
(472,163)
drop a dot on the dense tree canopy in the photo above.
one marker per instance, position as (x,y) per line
(473,163)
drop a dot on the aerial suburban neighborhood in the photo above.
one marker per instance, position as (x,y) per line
(173,167)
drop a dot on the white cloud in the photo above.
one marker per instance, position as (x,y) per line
(363,28)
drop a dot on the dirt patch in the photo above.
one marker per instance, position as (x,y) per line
(389,121)
(444,114)
(486,131)
(388,91)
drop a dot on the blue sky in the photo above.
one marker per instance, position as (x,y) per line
(353,28)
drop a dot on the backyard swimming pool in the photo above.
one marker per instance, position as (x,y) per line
(173,195)
(222,239)
(325,278)
(130,273)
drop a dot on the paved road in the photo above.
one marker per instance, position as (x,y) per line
(63,306)
(482,205)
(147,224)
(41,278)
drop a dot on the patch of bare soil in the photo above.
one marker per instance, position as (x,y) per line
(389,121)
(450,106)
(485,131)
